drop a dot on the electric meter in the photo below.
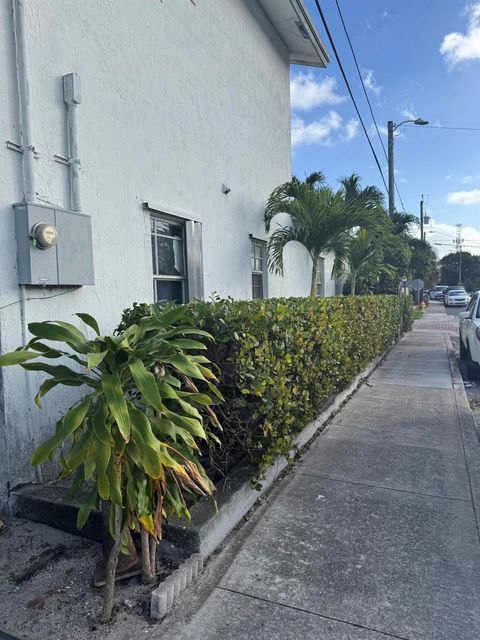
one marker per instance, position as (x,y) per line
(44,236)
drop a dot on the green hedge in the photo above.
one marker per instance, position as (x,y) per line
(281,360)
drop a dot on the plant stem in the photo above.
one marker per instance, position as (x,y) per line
(153,557)
(145,554)
(112,566)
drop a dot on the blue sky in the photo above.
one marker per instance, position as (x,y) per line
(418,58)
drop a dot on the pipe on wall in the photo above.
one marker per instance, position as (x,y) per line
(71,96)
(21,64)
(29,195)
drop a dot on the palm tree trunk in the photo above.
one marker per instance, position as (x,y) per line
(353,285)
(313,283)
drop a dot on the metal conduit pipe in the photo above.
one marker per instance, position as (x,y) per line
(21,64)
(29,195)
(71,96)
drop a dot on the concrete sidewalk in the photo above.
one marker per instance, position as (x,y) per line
(373,535)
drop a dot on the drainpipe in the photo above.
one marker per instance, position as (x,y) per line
(71,96)
(29,196)
(21,64)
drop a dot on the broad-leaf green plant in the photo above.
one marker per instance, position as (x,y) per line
(132,438)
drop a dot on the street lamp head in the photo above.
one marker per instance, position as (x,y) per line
(420,121)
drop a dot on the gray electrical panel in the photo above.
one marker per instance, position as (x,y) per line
(54,246)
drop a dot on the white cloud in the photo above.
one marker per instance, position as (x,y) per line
(464,197)
(306,92)
(317,131)
(381,128)
(351,129)
(469,179)
(409,112)
(370,82)
(444,234)
(459,47)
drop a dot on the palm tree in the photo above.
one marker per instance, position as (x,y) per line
(364,262)
(320,219)
(371,197)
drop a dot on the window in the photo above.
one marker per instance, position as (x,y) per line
(169,260)
(258,270)
(320,278)
(472,302)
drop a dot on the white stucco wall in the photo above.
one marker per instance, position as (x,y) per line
(176,100)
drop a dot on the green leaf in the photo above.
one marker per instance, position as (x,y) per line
(185,343)
(102,426)
(192,425)
(86,507)
(147,444)
(61,371)
(112,388)
(146,383)
(94,359)
(115,488)
(171,316)
(90,321)
(17,357)
(60,332)
(77,482)
(80,451)
(65,427)
(102,453)
(167,391)
(184,365)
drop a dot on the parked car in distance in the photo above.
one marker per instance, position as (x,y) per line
(456,298)
(470,336)
(438,292)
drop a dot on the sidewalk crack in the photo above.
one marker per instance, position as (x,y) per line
(314,613)
(377,486)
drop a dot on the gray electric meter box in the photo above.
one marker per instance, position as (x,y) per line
(54,246)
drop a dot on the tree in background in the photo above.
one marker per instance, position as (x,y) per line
(423,262)
(449,268)
(365,261)
(320,218)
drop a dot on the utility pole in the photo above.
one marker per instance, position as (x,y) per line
(458,244)
(421,219)
(391,175)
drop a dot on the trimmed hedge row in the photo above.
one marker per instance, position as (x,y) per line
(280,360)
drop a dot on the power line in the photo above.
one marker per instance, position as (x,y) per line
(350,90)
(366,95)
(434,126)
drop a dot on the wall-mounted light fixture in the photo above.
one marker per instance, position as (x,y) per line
(225,189)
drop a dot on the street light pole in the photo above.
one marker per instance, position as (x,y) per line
(421,219)
(391,168)
(391,174)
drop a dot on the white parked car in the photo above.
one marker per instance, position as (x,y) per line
(470,336)
(437,292)
(456,298)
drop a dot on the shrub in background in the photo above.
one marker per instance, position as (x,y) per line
(280,360)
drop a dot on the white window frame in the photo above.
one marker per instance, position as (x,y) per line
(193,250)
(262,244)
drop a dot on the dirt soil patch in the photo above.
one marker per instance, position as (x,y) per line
(46,590)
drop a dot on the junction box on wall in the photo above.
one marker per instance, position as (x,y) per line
(54,246)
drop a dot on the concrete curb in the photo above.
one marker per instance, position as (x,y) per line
(209,528)
(468,431)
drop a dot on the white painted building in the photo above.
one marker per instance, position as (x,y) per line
(183,130)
